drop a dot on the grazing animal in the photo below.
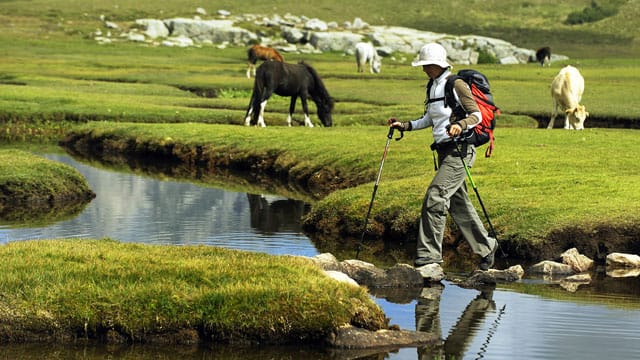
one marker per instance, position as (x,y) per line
(566,90)
(543,56)
(259,52)
(365,52)
(294,80)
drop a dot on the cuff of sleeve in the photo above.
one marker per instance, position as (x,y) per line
(407,126)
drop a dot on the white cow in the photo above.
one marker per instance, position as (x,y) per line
(365,52)
(566,90)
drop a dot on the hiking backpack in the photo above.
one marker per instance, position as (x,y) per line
(482,133)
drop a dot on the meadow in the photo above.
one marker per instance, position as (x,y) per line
(55,77)
(55,80)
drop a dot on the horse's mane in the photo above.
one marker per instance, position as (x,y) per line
(320,93)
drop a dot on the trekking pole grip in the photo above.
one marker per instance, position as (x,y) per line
(390,134)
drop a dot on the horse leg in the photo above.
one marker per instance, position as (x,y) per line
(263,105)
(307,120)
(247,117)
(292,109)
(251,68)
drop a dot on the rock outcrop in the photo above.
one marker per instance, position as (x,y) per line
(299,34)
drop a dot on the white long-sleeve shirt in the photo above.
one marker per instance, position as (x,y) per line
(437,115)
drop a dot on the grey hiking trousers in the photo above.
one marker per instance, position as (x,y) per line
(448,193)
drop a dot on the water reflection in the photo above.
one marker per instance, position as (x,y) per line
(457,342)
(273,214)
(133,208)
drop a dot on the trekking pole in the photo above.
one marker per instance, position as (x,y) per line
(475,189)
(375,187)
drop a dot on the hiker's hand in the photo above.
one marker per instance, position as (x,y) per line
(396,124)
(454,130)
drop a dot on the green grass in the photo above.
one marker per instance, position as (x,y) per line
(25,178)
(537,182)
(87,287)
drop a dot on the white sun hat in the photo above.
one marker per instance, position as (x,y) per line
(432,53)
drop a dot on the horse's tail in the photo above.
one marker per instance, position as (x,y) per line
(320,92)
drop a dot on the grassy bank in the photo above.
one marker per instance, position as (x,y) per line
(538,185)
(103,289)
(31,186)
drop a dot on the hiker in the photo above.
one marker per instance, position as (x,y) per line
(447,191)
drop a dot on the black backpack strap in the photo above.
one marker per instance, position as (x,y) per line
(450,98)
(429,100)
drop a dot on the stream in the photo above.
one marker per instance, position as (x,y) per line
(600,320)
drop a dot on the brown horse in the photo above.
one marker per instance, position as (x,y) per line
(259,52)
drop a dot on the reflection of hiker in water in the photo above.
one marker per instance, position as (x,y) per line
(461,334)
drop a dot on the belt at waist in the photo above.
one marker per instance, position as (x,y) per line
(443,146)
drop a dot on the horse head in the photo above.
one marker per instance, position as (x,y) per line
(325,107)
(320,95)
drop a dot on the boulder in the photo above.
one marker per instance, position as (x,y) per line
(216,31)
(551,268)
(349,337)
(334,40)
(578,262)
(341,277)
(617,260)
(153,28)
(431,272)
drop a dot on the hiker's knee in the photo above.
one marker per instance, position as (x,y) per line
(436,200)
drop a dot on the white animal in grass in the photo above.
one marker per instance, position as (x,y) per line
(566,90)
(366,53)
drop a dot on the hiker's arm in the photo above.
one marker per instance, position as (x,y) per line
(468,104)
(417,124)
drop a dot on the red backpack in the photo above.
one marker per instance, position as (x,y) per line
(482,133)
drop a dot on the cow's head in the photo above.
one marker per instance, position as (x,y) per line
(577,116)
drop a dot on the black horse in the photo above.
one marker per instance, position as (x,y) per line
(294,80)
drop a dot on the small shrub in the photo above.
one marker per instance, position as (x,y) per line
(591,14)
(486,57)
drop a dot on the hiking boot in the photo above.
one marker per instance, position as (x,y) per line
(422,261)
(487,262)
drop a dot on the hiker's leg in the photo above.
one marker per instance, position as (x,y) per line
(464,214)
(449,177)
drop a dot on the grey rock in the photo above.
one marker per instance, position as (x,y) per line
(349,337)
